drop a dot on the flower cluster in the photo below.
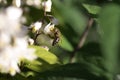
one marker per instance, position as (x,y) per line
(46,4)
(13,41)
(47,33)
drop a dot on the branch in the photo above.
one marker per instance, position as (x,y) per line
(82,39)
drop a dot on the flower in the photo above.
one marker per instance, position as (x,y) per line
(13,43)
(11,56)
(13,13)
(17,3)
(35,3)
(48,29)
(47,5)
(36,26)
(10,21)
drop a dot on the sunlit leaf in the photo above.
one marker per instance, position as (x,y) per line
(46,60)
(27,74)
(46,55)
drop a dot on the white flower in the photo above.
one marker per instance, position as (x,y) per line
(2,21)
(48,29)
(36,3)
(11,56)
(10,21)
(4,39)
(22,45)
(13,43)
(9,61)
(36,26)
(13,13)
(17,3)
(47,5)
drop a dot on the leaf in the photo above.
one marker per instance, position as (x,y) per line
(91,49)
(46,60)
(77,70)
(90,53)
(110,25)
(35,62)
(46,55)
(65,44)
(93,9)
(27,74)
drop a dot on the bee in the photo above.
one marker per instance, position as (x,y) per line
(56,36)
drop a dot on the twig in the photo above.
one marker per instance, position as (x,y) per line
(82,39)
(36,35)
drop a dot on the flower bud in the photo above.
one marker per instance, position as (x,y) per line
(47,5)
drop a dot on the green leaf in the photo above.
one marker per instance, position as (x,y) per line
(77,70)
(93,9)
(110,25)
(35,62)
(46,55)
(27,74)
(65,44)
(90,53)
(46,60)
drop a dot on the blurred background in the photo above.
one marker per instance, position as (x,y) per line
(89,46)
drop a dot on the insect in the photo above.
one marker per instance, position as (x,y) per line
(56,36)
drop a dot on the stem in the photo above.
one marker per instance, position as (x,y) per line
(82,39)
(36,35)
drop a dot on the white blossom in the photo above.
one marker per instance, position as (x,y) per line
(13,43)
(36,26)
(11,56)
(13,13)
(47,5)
(4,39)
(17,3)
(11,20)
(48,29)
(35,3)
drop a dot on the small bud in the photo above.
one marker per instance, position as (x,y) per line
(47,5)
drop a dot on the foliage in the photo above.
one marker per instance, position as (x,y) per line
(98,56)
